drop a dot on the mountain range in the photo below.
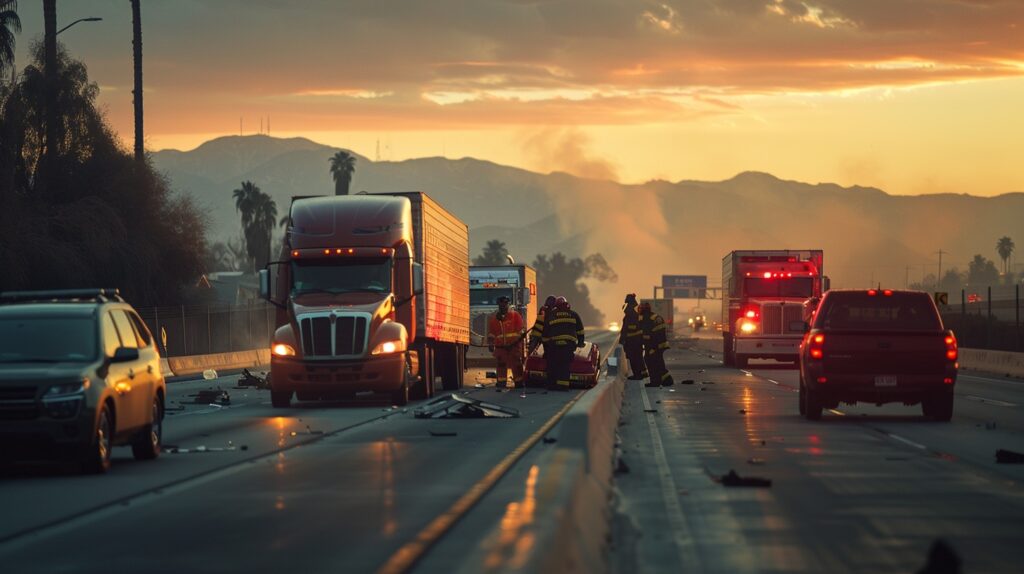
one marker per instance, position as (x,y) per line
(643,230)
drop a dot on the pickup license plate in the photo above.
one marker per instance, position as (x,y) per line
(885,381)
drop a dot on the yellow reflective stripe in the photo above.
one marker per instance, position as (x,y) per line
(660,327)
(562,321)
(637,334)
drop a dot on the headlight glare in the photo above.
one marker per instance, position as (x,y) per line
(283,350)
(389,347)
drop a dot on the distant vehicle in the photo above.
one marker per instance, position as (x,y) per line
(373,296)
(488,283)
(762,304)
(614,327)
(698,320)
(583,371)
(878,346)
(79,374)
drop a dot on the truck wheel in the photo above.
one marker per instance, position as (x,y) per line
(424,389)
(400,397)
(812,405)
(741,361)
(147,445)
(939,408)
(727,357)
(96,457)
(450,363)
(281,399)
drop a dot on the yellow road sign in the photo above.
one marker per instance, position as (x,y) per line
(941,298)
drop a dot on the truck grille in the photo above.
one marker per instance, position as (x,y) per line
(18,403)
(334,336)
(775,318)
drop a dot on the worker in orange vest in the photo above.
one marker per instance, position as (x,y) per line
(505,334)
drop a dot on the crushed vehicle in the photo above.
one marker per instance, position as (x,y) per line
(586,365)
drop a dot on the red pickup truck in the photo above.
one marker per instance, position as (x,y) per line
(878,346)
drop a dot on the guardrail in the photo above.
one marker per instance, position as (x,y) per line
(195,364)
(997,362)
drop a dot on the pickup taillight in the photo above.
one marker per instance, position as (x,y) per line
(816,346)
(952,353)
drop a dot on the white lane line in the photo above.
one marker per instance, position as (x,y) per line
(179,414)
(906,441)
(837,412)
(747,373)
(990,401)
(1017,382)
(774,382)
(681,534)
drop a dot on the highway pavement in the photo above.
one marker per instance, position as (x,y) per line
(320,487)
(866,489)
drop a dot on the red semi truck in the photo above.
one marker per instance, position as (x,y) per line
(372,293)
(763,302)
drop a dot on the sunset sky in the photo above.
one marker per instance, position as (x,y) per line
(912,96)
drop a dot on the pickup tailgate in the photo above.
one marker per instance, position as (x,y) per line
(884,353)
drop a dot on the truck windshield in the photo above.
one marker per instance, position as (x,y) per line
(341,275)
(862,312)
(778,287)
(47,339)
(488,296)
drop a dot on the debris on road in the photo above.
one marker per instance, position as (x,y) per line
(550,440)
(733,479)
(942,559)
(755,461)
(621,467)
(248,379)
(686,382)
(209,374)
(478,386)
(443,433)
(462,407)
(215,398)
(650,410)
(1004,456)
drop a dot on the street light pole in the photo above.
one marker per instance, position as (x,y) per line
(92,19)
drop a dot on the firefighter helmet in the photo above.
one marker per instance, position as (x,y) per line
(645,307)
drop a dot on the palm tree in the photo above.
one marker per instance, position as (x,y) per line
(246,199)
(343,165)
(264,220)
(10,25)
(140,152)
(1005,249)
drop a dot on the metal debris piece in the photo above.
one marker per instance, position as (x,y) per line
(478,386)
(463,407)
(755,461)
(212,397)
(443,433)
(707,382)
(621,467)
(650,410)
(550,440)
(733,479)
(249,379)
(686,382)
(1004,456)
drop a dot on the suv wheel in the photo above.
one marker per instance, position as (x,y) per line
(802,398)
(148,444)
(96,459)
(939,407)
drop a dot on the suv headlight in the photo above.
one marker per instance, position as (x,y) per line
(65,391)
(389,347)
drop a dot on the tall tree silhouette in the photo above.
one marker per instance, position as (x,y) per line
(495,253)
(140,152)
(1005,247)
(343,165)
(259,217)
(10,25)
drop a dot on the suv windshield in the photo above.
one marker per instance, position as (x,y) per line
(862,312)
(779,287)
(488,296)
(47,339)
(338,275)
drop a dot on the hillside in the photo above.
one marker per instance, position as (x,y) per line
(643,230)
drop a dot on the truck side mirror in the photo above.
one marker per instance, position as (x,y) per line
(417,278)
(264,275)
(524,296)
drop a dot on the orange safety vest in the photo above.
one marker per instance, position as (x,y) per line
(506,332)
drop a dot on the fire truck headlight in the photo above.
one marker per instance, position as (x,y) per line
(748,327)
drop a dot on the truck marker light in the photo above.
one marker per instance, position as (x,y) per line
(327,251)
(337,251)
(283,350)
(767,275)
(295,253)
(351,251)
(872,292)
(887,292)
(751,314)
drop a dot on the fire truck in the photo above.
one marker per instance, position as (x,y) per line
(763,302)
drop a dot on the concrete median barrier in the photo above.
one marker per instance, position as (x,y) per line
(995,362)
(562,524)
(196,364)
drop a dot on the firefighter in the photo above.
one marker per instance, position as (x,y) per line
(632,341)
(655,344)
(562,335)
(505,335)
(537,331)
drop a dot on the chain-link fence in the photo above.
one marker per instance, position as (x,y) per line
(983,323)
(205,329)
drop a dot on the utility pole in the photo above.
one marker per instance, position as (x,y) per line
(906,282)
(140,151)
(50,83)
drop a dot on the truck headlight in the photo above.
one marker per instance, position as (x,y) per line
(389,347)
(748,327)
(283,350)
